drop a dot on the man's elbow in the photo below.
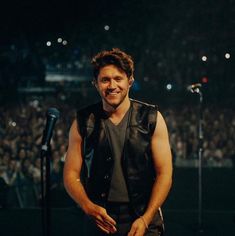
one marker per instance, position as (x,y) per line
(68,177)
(166,175)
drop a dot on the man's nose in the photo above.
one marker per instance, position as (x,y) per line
(112,84)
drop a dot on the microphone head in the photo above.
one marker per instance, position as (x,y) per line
(194,87)
(53,112)
(197,85)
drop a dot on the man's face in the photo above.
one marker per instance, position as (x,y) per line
(113,85)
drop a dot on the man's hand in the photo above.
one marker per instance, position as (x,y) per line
(138,228)
(101,218)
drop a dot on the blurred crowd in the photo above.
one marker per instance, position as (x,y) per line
(218,136)
(22,125)
(21,133)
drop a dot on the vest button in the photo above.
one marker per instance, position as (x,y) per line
(109,159)
(103,195)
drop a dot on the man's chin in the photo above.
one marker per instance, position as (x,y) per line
(113,104)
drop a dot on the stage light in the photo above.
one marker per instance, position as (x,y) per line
(59,40)
(227,55)
(106,27)
(48,43)
(12,123)
(64,42)
(169,87)
(204,80)
(204,58)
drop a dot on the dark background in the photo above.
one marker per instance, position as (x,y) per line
(167,40)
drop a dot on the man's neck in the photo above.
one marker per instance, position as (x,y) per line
(119,111)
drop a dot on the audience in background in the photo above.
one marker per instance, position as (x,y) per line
(22,126)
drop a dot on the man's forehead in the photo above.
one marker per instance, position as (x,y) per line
(111,69)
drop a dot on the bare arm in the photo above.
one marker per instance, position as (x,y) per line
(72,169)
(73,185)
(162,158)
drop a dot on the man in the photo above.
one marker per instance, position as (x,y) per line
(118,166)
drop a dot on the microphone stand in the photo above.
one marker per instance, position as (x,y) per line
(52,115)
(45,190)
(200,150)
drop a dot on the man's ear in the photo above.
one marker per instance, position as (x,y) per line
(131,81)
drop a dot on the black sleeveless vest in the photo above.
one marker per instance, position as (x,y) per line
(137,162)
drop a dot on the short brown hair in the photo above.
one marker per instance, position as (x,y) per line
(114,57)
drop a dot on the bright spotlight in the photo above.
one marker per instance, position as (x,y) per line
(169,86)
(204,58)
(106,27)
(64,42)
(227,55)
(59,40)
(48,43)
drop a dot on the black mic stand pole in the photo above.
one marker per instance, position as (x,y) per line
(45,189)
(198,91)
(52,115)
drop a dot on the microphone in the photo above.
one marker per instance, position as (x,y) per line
(194,88)
(52,115)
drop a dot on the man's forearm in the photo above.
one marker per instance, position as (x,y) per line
(77,192)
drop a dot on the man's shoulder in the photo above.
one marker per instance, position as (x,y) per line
(144,114)
(139,104)
(86,116)
(92,108)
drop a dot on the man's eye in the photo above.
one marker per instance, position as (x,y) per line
(104,80)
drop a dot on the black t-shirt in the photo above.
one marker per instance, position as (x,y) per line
(118,189)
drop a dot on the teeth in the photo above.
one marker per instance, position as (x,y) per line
(113,93)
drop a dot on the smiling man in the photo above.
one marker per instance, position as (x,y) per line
(118,166)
